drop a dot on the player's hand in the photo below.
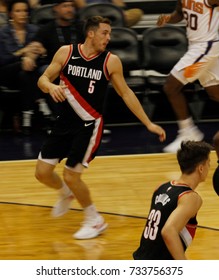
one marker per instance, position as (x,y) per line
(154,128)
(162,20)
(57,92)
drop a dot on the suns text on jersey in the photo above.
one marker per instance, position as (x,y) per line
(192,5)
(84,72)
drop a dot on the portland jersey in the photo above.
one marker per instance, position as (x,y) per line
(202,20)
(87,80)
(164,202)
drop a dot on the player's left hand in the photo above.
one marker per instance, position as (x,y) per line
(57,92)
(163,19)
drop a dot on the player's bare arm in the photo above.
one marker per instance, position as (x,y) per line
(115,70)
(188,206)
(175,17)
(45,82)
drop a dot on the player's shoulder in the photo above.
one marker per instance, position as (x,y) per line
(65,48)
(192,197)
(63,53)
(113,58)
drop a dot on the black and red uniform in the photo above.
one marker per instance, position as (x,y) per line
(164,202)
(78,130)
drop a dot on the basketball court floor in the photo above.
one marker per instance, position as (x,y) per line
(129,165)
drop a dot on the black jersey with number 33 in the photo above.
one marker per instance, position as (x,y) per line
(164,201)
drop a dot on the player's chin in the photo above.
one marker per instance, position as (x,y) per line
(103,47)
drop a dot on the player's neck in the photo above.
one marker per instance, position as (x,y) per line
(189,180)
(88,51)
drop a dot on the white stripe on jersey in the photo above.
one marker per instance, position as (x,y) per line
(83,114)
(202,20)
(93,141)
(186,236)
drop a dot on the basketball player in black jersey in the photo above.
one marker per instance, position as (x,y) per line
(84,70)
(171,223)
(215,178)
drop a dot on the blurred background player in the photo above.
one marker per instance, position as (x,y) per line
(171,223)
(200,62)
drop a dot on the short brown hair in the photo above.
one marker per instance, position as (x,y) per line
(93,23)
(191,154)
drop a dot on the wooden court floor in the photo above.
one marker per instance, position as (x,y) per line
(121,188)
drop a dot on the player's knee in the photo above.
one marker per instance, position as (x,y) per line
(213,93)
(70,177)
(41,174)
(214,96)
(168,89)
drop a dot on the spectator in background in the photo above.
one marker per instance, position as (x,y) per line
(18,53)
(4,13)
(132,16)
(63,30)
